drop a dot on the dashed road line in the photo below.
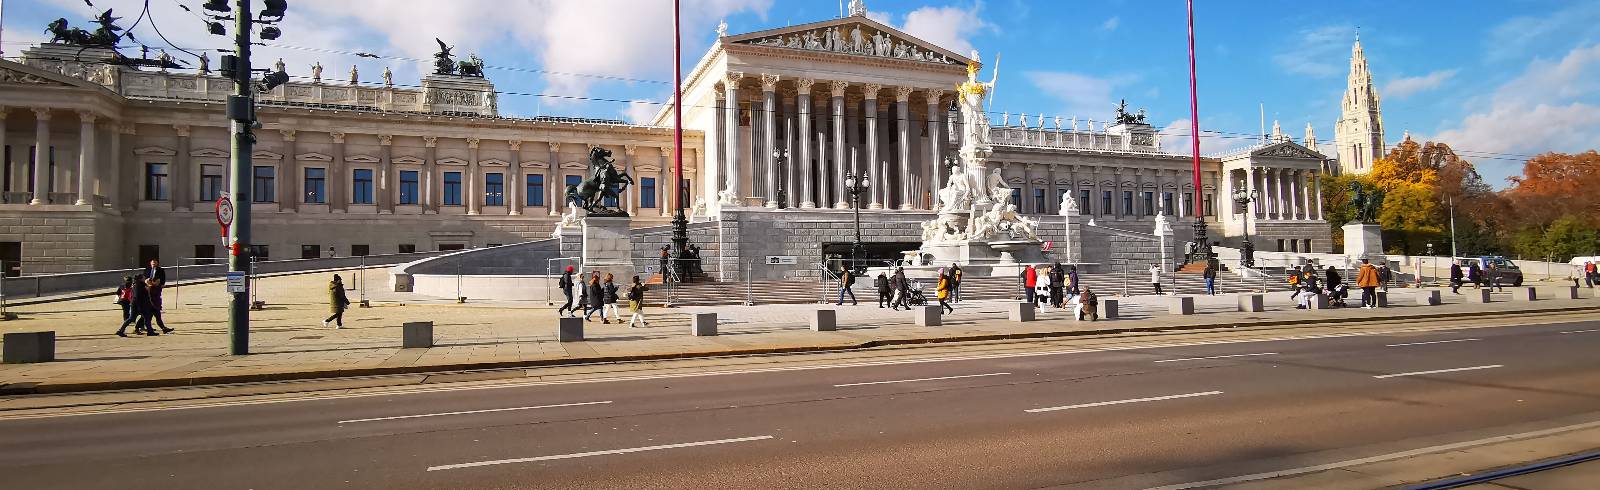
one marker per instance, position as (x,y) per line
(469,412)
(1120,402)
(595,453)
(1437,371)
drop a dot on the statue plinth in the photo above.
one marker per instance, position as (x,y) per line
(608,246)
(1363,240)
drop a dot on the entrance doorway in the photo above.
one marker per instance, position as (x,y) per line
(11,256)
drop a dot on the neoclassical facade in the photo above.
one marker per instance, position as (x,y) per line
(134,159)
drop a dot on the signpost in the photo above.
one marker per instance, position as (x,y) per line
(782,260)
(236,282)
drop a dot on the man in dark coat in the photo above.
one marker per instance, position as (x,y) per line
(143,309)
(881,283)
(1474,274)
(902,290)
(1058,284)
(1455,277)
(566,284)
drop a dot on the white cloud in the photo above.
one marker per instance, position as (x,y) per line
(1317,51)
(1081,95)
(1175,140)
(1516,35)
(641,111)
(951,28)
(1111,24)
(1406,87)
(1549,107)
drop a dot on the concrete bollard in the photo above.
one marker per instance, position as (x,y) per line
(1479,296)
(824,320)
(928,316)
(1570,292)
(1253,303)
(1429,298)
(570,329)
(1319,302)
(1180,305)
(704,324)
(1022,311)
(29,347)
(1381,298)
(1108,309)
(1525,293)
(417,335)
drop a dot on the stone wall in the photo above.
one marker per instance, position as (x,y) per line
(61,238)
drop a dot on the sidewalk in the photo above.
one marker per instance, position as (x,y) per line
(288,342)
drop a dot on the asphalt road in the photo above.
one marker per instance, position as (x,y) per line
(1133,418)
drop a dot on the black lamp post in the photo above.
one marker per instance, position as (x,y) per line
(780,158)
(1247,251)
(856,185)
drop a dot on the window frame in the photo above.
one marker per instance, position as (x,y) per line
(413,188)
(264,189)
(319,194)
(647,192)
(361,190)
(494,193)
(157,186)
(218,188)
(533,186)
(450,191)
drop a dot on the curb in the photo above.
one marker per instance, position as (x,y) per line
(30,388)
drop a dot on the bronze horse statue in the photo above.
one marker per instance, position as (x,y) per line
(1365,203)
(604,182)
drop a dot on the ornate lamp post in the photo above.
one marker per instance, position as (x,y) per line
(1247,251)
(856,185)
(680,222)
(781,157)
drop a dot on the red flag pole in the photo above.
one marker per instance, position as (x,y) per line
(1194,124)
(677,106)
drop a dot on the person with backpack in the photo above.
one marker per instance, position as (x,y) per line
(1058,285)
(955,282)
(610,290)
(595,299)
(565,283)
(337,302)
(1385,276)
(847,281)
(636,303)
(143,309)
(124,296)
(882,285)
(943,291)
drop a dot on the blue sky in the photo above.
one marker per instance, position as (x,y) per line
(1498,80)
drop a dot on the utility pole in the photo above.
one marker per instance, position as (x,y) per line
(241,111)
(1453,252)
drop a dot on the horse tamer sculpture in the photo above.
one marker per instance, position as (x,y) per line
(604,182)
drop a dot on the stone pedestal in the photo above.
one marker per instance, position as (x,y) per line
(1429,298)
(824,320)
(417,335)
(29,347)
(1108,309)
(570,329)
(1363,240)
(1478,296)
(1181,305)
(1381,299)
(1570,292)
(928,316)
(1319,302)
(1252,303)
(608,247)
(1525,294)
(1022,311)
(704,324)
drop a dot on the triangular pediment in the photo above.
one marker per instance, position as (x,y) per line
(17,73)
(840,36)
(1287,149)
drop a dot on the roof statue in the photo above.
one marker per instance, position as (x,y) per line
(858,8)
(471,67)
(442,63)
(104,37)
(1124,117)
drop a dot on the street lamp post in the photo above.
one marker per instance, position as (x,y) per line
(1247,250)
(680,222)
(1453,252)
(781,158)
(856,185)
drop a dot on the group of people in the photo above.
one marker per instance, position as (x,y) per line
(1057,286)
(597,296)
(898,292)
(690,263)
(140,299)
(1480,277)
(1591,273)
(1305,284)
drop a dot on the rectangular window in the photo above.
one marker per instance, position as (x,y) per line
(1149,203)
(450,247)
(535,191)
(1105,202)
(1038,201)
(205,254)
(1127,203)
(1016,197)
(408,248)
(310,251)
(1210,211)
(262,186)
(494,189)
(360,250)
(5,168)
(316,185)
(1083,202)
(647,192)
(1166,204)
(408,187)
(210,182)
(452,188)
(361,186)
(260,253)
(1061,195)
(155,181)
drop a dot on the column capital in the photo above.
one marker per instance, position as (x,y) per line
(338,137)
(666,151)
(87,117)
(385,139)
(629,149)
(516,145)
(41,113)
(903,93)
(3,110)
(804,85)
(473,143)
(769,82)
(288,134)
(181,129)
(934,94)
(555,147)
(430,141)
(128,128)
(838,87)
(871,90)
(730,80)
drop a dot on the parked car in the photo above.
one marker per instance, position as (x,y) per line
(1509,272)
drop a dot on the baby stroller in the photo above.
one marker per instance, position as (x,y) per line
(1337,295)
(914,296)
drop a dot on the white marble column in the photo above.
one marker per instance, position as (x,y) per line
(666,182)
(840,199)
(385,158)
(629,200)
(86,158)
(473,179)
(808,168)
(877,195)
(1052,198)
(935,164)
(1316,192)
(1297,195)
(902,101)
(712,184)
(338,186)
(41,157)
(769,98)
(731,88)
(515,183)
(1253,184)
(553,184)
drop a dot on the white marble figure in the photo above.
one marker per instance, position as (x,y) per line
(697,212)
(1015,226)
(568,219)
(205,63)
(316,73)
(354,75)
(1068,206)
(280,66)
(727,198)
(998,190)
(856,41)
(388,77)
(858,8)
(722,28)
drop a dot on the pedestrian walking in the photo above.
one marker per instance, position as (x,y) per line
(1210,275)
(1475,274)
(337,302)
(847,281)
(1456,276)
(666,259)
(1088,306)
(1591,273)
(610,312)
(566,284)
(142,309)
(1155,277)
(1042,290)
(124,297)
(946,282)
(1030,280)
(955,282)
(1072,280)
(1385,276)
(881,283)
(1367,280)
(902,290)
(636,303)
(596,296)
(1058,285)
(156,304)
(1492,277)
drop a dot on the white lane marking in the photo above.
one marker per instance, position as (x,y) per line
(1379,458)
(1437,371)
(919,379)
(1433,342)
(595,453)
(130,407)
(1119,402)
(468,412)
(1583,331)
(1218,357)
